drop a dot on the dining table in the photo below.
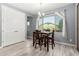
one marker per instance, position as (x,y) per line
(45,39)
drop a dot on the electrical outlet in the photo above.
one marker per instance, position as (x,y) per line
(70,40)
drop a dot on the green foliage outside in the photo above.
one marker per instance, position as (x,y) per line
(50,26)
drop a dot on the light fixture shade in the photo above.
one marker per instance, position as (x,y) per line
(39,13)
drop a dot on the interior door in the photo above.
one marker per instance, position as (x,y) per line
(13,26)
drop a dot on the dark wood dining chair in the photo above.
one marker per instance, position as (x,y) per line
(35,35)
(51,39)
(37,38)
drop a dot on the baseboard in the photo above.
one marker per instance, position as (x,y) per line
(65,43)
(1,47)
(13,44)
(29,37)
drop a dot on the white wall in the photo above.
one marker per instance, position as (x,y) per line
(13,26)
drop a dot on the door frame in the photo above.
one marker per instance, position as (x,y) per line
(76,31)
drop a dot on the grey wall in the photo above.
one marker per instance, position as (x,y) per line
(70,14)
(32,26)
(29,19)
(70,17)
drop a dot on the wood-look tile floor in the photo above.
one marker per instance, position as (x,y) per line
(26,49)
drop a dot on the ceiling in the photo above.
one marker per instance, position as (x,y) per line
(34,8)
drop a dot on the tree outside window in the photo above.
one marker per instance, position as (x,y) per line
(51,22)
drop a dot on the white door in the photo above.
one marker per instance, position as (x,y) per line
(13,26)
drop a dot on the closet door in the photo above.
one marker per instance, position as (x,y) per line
(13,26)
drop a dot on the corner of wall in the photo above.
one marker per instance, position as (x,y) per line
(0,25)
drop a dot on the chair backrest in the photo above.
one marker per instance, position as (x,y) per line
(37,34)
(37,30)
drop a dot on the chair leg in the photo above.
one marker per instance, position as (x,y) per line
(44,42)
(35,44)
(40,44)
(52,44)
(47,45)
(33,39)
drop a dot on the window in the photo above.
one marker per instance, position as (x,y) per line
(49,23)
